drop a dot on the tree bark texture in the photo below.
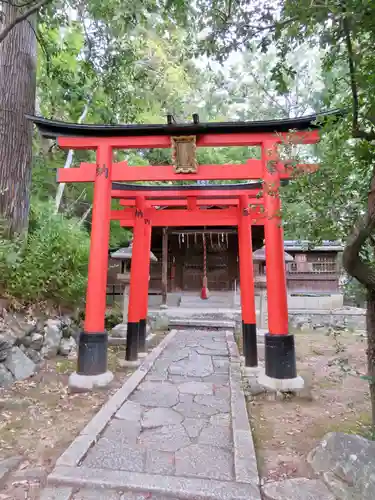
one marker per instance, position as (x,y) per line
(370,324)
(365,274)
(17,97)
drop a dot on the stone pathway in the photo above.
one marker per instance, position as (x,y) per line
(182,433)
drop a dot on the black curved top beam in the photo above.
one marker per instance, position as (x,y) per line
(246,186)
(54,128)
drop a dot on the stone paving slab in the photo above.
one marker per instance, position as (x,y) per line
(174,433)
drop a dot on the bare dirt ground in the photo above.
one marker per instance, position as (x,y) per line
(336,399)
(39,419)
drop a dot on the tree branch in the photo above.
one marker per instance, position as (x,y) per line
(29,12)
(352,72)
(351,259)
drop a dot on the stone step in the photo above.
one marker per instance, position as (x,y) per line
(201,323)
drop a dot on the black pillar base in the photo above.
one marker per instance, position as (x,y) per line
(280,356)
(132,341)
(92,353)
(249,344)
(142,335)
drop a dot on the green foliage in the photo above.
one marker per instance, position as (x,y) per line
(51,265)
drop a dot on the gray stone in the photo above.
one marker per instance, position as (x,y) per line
(204,351)
(167,438)
(160,462)
(193,426)
(26,342)
(222,391)
(163,394)
(35,356)
(221,405)
(196,366)
(123,431)
(157,485)
(98,494)
(160,323)
(17,327)
(195,388)
(67,346)
(130,411)
(194,410)
(6,378)
(221,419)
(36,341)
(8,464)
(217,435)
(119,330)
(115,455)
(347,463)
(297,489)
(29,474)
(5,347)
(218,379)
(57,493)
(19,364)
(130,495)
(205,461)
(221,365)
(87,383)
(157,417)
(52,338)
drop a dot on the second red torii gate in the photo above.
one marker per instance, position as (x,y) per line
(246,210)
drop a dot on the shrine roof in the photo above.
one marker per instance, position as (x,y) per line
(245,186)
(54,128)
(308,246)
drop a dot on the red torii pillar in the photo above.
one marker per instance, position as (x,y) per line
(280,357)
(93,341)
(135,289)
(249,334)
(144,284)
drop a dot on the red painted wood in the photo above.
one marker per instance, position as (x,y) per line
(146,268)
(252,169)
(182,218)
(211,140)
(85,173)
(183,203)
(136,268)
(246,263)
(98,260)
(191,203)
(122,172)
(275,264)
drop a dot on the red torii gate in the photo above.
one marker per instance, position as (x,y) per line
(247,210)
(279,344)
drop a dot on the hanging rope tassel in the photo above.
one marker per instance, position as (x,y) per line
(204,292)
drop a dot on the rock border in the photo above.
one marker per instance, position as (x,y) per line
(245,462)
(171,486)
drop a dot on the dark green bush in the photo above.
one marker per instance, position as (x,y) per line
(51,265)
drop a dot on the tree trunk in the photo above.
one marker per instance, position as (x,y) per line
(17,97)
(364,272)
(370,323)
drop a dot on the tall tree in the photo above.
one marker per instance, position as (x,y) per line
(17,97)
